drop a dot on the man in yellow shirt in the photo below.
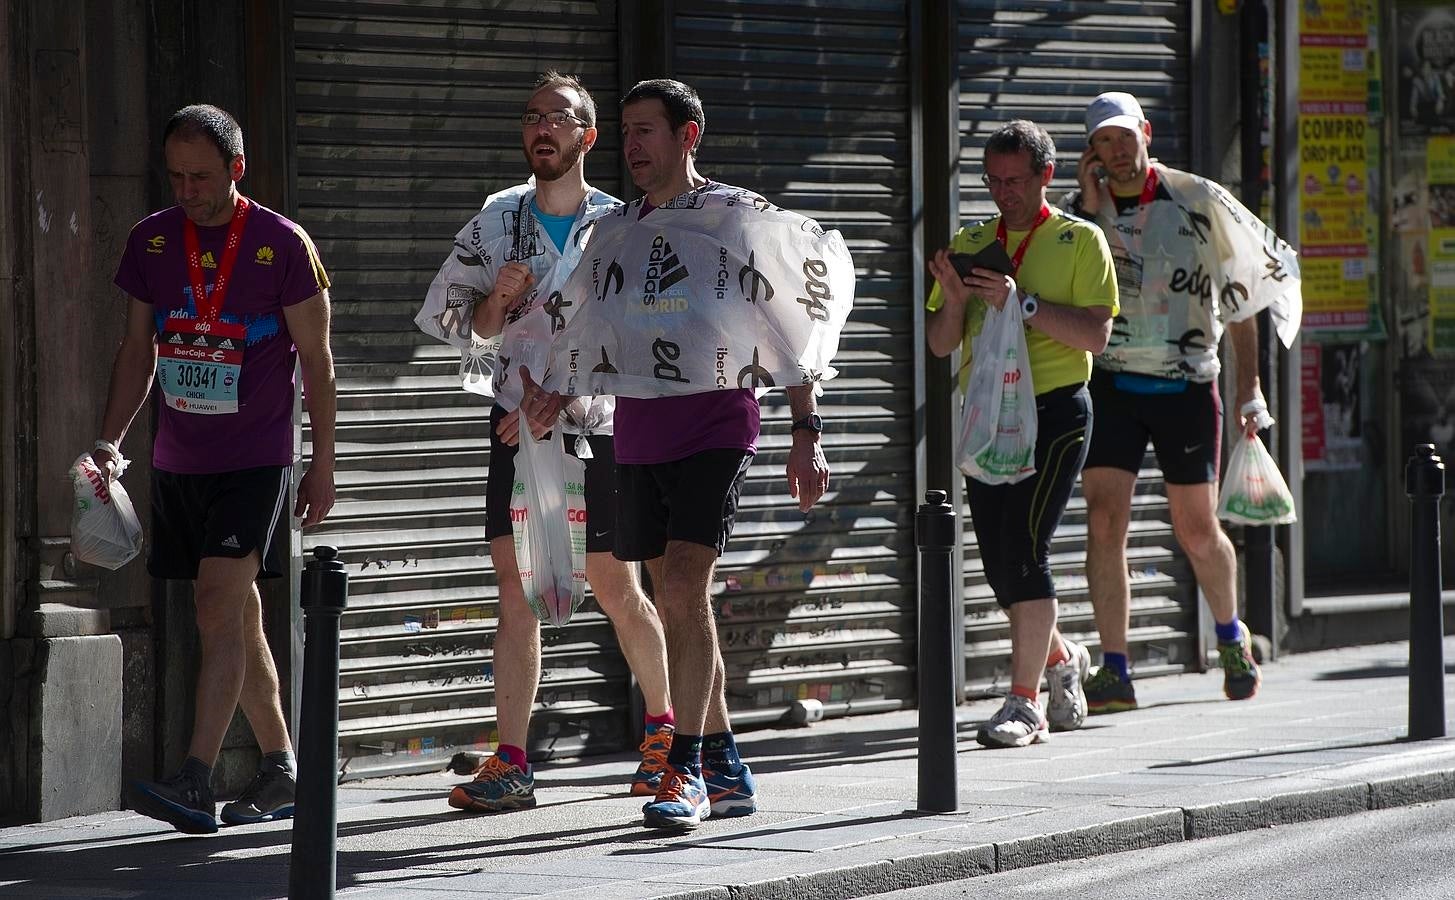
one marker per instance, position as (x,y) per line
(1065,283)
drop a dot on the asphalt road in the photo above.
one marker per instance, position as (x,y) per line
(1393,854)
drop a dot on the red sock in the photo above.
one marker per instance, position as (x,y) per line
(665,718)
(1021,691)
(513,755)
(1058,654)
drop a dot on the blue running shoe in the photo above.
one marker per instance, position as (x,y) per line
(681,802)
(731,795)
(497,786)
(267,798)
(179,801)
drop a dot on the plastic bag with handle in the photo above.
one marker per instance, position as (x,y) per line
(1254,492)
(548,521)
(104,528)
(998,421)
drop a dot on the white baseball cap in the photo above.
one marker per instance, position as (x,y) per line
(1114,108)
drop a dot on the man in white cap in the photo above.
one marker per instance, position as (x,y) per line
(1190,260)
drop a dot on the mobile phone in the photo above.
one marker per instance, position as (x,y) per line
(992,256)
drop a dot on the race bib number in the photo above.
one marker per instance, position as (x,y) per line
(199,364)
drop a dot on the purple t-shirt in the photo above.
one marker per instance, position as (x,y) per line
(666,429)
(277,266)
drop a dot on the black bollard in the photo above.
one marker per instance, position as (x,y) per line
(1424,481)
(934,527)
(312,866)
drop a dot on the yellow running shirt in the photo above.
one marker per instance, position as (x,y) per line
(1067,263)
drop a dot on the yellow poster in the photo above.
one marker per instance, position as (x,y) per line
(1332,74)
(1333,17)
(1333,181)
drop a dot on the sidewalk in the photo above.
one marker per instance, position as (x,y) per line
(837,816)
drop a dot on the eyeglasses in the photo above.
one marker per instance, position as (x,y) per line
(1015,183)
(555,118)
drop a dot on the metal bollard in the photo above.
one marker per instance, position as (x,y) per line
(934,527)
(312,865)
(1424,480)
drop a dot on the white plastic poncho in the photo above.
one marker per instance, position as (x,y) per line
(715,289)
(1188,262)
(506,230)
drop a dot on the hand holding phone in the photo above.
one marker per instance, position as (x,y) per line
(992,256)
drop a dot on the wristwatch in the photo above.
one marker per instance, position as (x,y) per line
(1029,305)
(811,422)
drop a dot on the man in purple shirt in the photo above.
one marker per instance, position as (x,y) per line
(226,295)
(682,461)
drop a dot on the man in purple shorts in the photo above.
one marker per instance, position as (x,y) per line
(226,296)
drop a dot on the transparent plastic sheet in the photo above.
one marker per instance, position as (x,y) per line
(998,421)
(105,531)
(1254,492)
(548,522)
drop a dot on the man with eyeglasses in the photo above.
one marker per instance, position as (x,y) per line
(1063,280)
(498,295)
(1190,259)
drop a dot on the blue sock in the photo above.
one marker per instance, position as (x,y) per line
(1229,633)
(720,752)
(686,753)
(1117,662)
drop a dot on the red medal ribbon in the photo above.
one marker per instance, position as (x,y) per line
(209,308)
(1149,187)
(1020,252)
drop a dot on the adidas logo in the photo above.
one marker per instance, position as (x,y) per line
(227,344)
(201,341)
(1067,237)
(174,339)
(663,271)
(231,542)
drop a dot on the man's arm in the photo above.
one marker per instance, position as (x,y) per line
(1082,327)
(808,471)
(131,376)
(945,327)
(514,280)
(1244,337)
(308,324)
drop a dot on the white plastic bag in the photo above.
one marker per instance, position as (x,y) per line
(1254,492)
(104,528)
(998,421)
(548,520)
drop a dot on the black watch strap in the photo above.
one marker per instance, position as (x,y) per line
(810,422)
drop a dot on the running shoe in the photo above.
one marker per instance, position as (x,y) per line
(179,801)
(648,776)
(1241,676)
(498,786)
(1066,705)
(731,795)
(1107,693)
(267,798)
(681,802)
(1017,723)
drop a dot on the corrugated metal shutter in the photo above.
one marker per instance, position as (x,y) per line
(406,121)
(809,105)
(1044,61)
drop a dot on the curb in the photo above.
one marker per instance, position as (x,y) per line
(1132,833)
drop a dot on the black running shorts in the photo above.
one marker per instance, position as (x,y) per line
(228,514)
(1186,429)
(693,499)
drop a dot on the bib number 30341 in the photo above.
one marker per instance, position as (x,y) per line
(199,364)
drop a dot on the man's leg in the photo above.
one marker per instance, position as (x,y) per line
(1215,563)
(640,636)
(505,781)
(270,794)
(220,596)
(1020,721)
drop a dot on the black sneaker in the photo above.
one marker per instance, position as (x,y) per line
(1240,674)
(179,801)
(267,798)
(1107,693)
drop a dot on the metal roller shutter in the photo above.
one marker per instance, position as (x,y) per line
(809,105)
(1044,61)
(406,121)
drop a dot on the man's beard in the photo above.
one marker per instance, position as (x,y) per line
(554,167)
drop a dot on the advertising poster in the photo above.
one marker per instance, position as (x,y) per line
(1333,139)
(1426,40)
(1332,427)
(1440,247)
